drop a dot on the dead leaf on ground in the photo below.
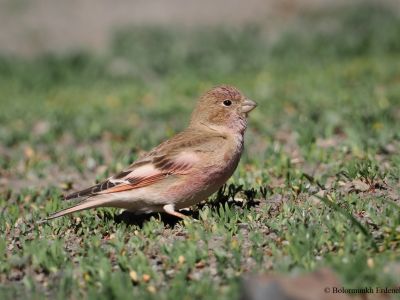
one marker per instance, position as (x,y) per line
(318,285)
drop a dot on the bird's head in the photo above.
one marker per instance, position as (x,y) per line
(223,107)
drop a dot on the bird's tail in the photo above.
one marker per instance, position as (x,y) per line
(91,202)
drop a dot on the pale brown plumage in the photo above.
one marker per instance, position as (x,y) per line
(184,169)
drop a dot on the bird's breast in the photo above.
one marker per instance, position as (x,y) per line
(210,173)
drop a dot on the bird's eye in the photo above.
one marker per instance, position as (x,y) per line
(227,102)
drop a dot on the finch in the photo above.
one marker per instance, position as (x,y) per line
(183,170)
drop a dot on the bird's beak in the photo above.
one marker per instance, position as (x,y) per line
(248,105)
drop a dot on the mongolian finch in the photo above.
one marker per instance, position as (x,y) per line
(183,170)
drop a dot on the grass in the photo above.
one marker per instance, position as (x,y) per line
(318,185)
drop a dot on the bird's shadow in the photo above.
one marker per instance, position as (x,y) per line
(227,195)
(130,218)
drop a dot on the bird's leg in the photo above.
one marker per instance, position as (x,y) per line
(170,209)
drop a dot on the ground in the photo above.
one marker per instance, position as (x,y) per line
(317,187)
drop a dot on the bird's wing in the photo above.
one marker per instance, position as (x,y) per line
(176,156)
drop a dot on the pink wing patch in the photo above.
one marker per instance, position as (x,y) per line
(153,172)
